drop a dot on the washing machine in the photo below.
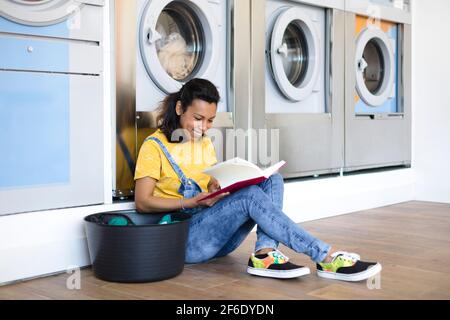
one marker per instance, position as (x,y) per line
(378,82)
(51,104)
(177,41)
(301,49)
(174,41)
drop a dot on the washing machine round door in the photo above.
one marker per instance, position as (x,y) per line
(178,41)
(375,67)
(39,12)
(294,54)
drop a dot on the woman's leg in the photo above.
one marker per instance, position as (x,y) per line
(213,227)
(274,188)
(237,238)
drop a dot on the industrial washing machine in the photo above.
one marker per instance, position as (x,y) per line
(378,84)
(51,104)
(174,41)
(302,50)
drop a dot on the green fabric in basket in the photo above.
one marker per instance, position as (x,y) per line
(118,221)
(167,219)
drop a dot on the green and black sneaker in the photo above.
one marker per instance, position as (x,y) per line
(275,265)
(348,267)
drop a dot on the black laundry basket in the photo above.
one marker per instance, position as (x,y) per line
(143,252)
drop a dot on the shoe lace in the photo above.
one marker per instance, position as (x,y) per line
(347,255)
(278,254)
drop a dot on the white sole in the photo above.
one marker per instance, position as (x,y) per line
(372,271)
(280,274)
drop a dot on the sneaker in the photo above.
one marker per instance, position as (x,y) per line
(275,265)
(347,267)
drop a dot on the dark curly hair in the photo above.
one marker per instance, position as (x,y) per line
(168,120)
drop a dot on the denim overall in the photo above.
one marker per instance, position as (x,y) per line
(189,188)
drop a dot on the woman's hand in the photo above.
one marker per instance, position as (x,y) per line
(196,201)
(213,185)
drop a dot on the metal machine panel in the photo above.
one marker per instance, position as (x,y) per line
(242,71)
(35,54)
(378,137)
(387,9)
(84,23)
(124,124)
(51,142)
(310,143)
(51,107)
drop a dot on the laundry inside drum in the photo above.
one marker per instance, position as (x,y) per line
(181,47)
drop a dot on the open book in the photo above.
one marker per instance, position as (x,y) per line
(237,173)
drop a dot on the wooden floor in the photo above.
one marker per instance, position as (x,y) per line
(411,240)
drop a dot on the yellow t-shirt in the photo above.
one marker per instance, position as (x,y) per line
(191,157)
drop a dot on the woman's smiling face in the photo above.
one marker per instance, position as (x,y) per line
(198,117)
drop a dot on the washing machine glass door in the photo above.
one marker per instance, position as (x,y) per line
(375,67)
(294,54)
(39,12)
(178,42)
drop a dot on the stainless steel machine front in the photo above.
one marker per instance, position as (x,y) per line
(301,45)
(51,105)
(135,71)
(378,85)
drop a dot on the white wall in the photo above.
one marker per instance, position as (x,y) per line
(431,99)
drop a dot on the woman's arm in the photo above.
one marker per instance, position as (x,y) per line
(146,202)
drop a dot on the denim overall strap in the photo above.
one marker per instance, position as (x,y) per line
(172,162)
(188,188)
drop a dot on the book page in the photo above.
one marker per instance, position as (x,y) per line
(235,170)
(271,170)
(232,173)
(237,161)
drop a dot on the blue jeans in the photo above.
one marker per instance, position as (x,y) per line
(218,230)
